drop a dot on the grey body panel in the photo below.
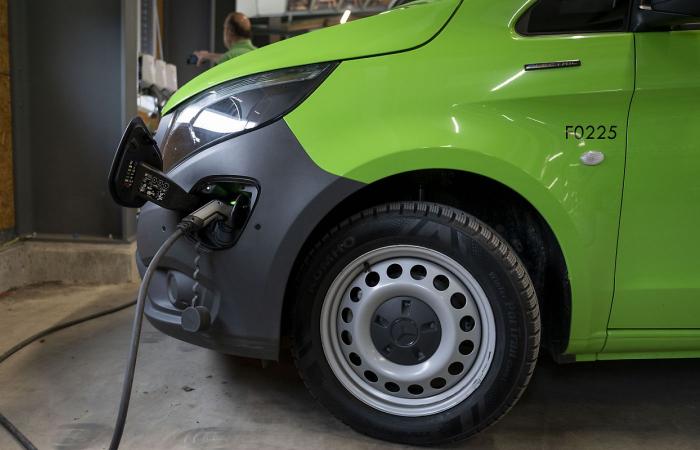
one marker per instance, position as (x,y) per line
(245,285)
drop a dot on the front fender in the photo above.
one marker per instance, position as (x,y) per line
(588,332)
(450,105)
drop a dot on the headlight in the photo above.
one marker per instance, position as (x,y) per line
(235,107)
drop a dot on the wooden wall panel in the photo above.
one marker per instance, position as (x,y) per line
(7,204)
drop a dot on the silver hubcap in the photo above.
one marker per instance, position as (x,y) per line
(407,330)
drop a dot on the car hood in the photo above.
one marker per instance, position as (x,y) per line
(393,31)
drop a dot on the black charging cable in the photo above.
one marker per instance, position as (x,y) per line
(17,347)
(4,421)
(212,211)
(136,337)
(15,433)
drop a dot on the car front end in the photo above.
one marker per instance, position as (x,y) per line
(242,272)
(224,136)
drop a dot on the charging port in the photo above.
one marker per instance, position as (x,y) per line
(241,193)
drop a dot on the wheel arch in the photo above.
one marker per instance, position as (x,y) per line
(516,219)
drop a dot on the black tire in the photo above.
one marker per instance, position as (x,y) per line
(467,241)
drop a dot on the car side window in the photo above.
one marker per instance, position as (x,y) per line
(575,16)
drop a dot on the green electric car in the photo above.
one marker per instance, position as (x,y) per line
(426,200)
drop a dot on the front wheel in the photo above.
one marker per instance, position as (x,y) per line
(415,323)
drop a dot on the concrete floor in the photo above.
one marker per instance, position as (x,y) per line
(62,392)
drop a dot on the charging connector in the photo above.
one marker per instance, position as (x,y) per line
(214,210)
(205,215)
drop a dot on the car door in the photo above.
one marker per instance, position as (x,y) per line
(584,110)
(657,283)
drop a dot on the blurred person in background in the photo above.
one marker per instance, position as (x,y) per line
(237,35)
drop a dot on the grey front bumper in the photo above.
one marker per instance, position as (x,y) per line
(244,286)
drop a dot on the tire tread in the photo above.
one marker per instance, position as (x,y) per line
(477,229)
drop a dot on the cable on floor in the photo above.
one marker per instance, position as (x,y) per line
(4,421)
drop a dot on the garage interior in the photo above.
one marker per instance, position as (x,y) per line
(63,390)
(71,79)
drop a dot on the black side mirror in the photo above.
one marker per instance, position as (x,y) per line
(664,15)
(136,175)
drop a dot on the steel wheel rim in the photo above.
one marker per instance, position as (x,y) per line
(354,376)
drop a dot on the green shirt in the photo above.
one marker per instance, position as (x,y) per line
(237,49)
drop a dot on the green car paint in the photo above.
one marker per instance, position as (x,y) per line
(657,283)
(410,27)
(451,105)
(419,89)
